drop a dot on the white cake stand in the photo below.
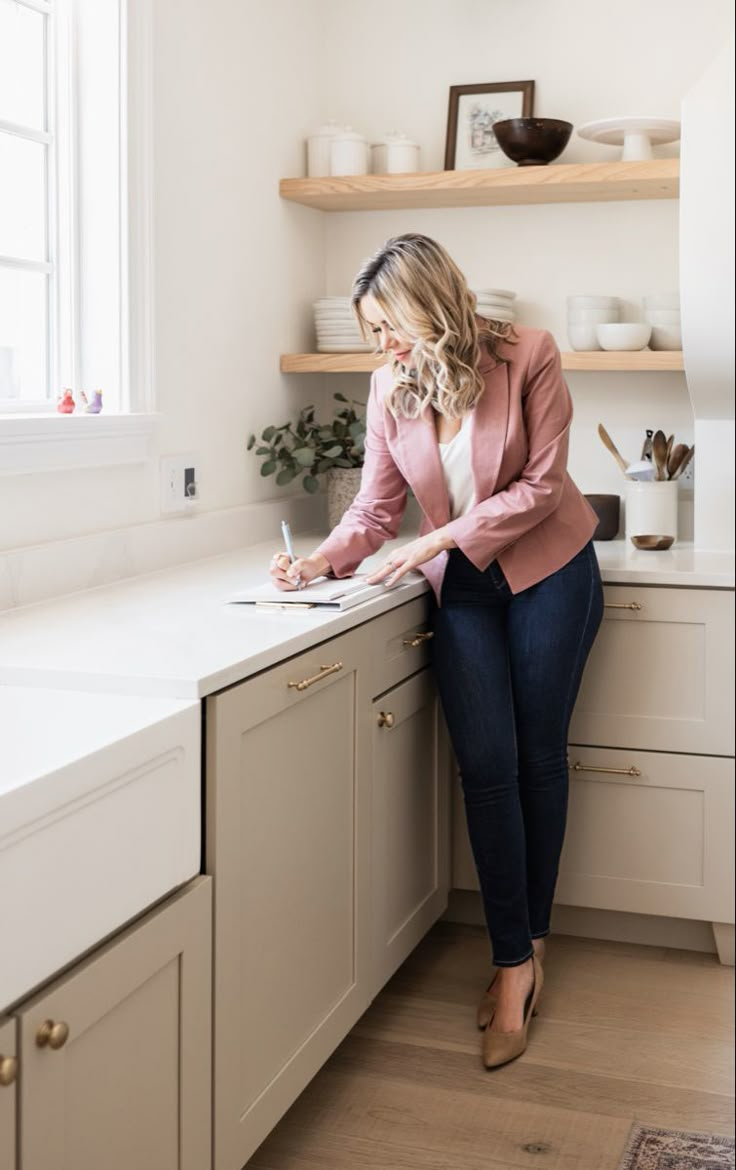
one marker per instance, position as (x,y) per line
(637,135)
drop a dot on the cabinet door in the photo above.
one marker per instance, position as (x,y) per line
(660,675)
(8,1089)
(410,823)
(115,1057)
(286,841)
(649,832)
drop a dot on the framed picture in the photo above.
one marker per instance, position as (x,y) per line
(471,143)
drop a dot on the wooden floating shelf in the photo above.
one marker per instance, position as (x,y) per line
(641,361)
(564,183)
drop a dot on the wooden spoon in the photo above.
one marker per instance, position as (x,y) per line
(676,457)
(659,454)
(685,462)
(670,441)
(609,443)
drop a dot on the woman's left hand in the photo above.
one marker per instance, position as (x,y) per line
(424,548)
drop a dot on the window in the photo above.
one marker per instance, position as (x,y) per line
(65,162)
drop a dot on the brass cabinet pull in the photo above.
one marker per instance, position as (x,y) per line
(323,672)
(622,605)
(632,771)
(419,638)
(8,1070)
(53,1034)
(386,719)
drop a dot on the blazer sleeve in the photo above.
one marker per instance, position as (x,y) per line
(375,514)
(497,522)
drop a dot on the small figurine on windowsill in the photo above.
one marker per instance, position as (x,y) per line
(65,402)
(95,406)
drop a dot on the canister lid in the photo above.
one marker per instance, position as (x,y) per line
(394,138)
(328,130)
(347,134)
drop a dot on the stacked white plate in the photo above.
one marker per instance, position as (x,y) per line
(584,313)
(337,329)
(662,312)
(497,304)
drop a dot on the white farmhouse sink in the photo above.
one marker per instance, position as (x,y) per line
(99,818)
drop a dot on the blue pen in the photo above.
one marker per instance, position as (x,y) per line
(286,533)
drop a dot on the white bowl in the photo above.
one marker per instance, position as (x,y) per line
(662,301)
(592,302)
(583,336)
(666,337)
(662,316)
(624,335)
(591,316)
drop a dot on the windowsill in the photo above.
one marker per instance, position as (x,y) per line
(58,442)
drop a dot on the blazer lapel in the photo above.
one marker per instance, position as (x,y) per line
(490,425)
(420,457)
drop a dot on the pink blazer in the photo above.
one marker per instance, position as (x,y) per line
(529,515)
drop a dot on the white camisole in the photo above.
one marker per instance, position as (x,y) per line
(455,457)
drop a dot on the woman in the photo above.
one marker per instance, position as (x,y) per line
(474,416)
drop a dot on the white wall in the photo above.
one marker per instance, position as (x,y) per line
(238,84)
(236,87)
(588,61)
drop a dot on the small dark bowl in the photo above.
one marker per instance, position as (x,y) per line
(607,510)
(532,142)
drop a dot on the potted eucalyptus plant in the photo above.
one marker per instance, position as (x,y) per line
(308,449)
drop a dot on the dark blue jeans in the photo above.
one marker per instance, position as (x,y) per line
(508,669)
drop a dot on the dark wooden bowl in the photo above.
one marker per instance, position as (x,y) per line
(532,142)
(653,543)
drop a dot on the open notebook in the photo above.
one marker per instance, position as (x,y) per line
(323,592)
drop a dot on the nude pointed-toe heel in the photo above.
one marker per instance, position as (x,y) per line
(487,1003)
(501,1047)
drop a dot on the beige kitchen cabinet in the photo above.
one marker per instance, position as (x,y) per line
(410,821)
(649,832)
(8,1089)
(328,842)
(288,843)
(659,676)
(114,1057)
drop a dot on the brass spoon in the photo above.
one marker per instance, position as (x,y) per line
(659,454)
(611,446)
(676,457)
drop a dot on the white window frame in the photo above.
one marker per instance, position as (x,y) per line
(30,440)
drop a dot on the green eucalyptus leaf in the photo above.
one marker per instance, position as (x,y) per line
(250,443)
(263,450)
(333,452)
(324,465)
(343,463)
(304,456)
(340,397)
(269,468)
(268,434)
(310,484)
(285,476)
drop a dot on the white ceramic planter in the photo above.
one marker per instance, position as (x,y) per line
(651,508)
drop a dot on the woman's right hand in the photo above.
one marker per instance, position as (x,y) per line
(286,574)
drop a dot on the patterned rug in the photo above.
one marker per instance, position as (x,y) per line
(672,1149)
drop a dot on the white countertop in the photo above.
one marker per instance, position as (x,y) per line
(172,634)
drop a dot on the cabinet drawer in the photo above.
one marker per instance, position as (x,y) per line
(400,644)
(649,832)
(659,675)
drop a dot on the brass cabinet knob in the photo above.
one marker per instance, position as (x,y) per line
(386,719)
(53,1034)
(8,1070)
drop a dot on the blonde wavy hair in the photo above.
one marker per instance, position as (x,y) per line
(426,298)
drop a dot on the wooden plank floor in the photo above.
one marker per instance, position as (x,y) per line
(624,1033)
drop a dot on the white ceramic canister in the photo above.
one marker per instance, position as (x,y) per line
(349,153)
(651,508)
(318,149)
(395,154)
